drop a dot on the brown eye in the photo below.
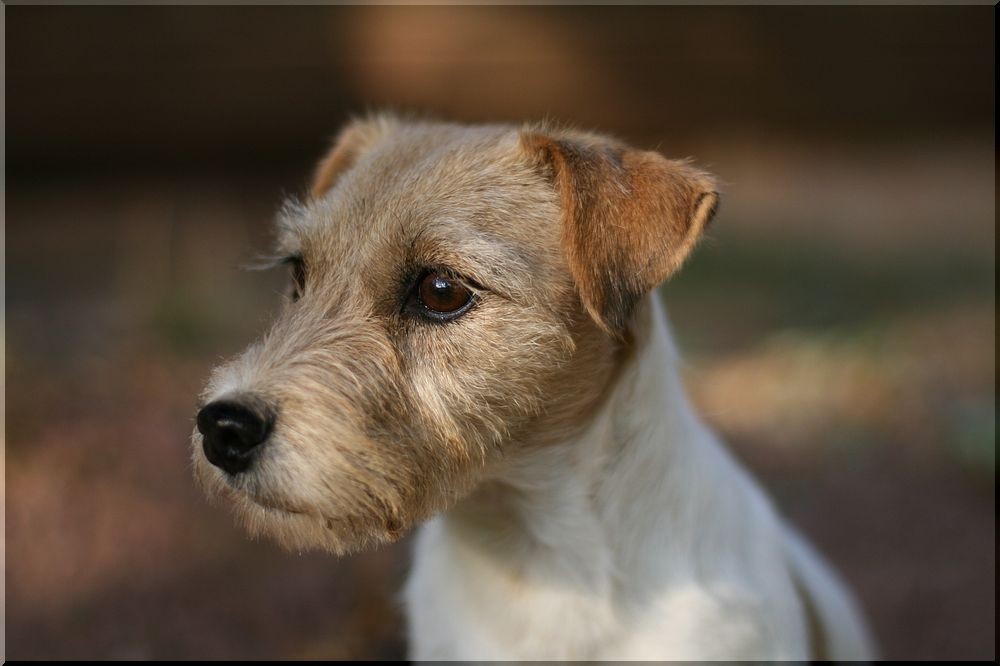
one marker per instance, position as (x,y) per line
(443,297)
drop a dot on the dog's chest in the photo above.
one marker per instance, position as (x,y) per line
(461,606)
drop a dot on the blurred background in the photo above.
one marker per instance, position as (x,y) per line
(838,325)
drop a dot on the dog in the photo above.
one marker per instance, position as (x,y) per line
(473,342)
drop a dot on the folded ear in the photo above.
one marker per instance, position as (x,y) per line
(356,138)
(630,217)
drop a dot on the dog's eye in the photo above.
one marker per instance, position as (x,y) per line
(297,270)
(442,297)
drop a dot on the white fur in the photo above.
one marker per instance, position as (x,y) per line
(641,539)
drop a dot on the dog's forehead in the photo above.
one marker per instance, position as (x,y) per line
(465,188)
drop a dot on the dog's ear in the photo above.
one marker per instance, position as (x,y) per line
(630,217)
(356,138)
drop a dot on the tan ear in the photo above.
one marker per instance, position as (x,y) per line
(356,138)
(630,218)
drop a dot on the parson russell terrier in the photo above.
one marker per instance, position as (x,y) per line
(473,342)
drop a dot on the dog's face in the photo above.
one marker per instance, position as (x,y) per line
(459,296)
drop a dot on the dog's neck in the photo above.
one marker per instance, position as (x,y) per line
(618,498)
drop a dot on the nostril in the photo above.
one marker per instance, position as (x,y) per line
(232,430)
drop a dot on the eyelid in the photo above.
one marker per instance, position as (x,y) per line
(476,287)
(451,274)
(467,283)
(298,274)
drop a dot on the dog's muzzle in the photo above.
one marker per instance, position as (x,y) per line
(233,431)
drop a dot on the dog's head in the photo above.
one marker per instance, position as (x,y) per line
(459,295)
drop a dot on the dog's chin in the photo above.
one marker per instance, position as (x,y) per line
(293,527)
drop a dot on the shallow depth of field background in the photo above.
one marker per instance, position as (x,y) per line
(838,324)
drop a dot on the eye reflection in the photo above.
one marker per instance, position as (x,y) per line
(442,294)
(440,297)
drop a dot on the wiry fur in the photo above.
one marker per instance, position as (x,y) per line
(587,512)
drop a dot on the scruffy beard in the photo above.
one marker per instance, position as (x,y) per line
(292,526)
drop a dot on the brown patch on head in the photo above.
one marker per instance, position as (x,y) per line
(630,218)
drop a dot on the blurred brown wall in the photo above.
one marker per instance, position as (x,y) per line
(117,87)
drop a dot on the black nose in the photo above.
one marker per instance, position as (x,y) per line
(232,432)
